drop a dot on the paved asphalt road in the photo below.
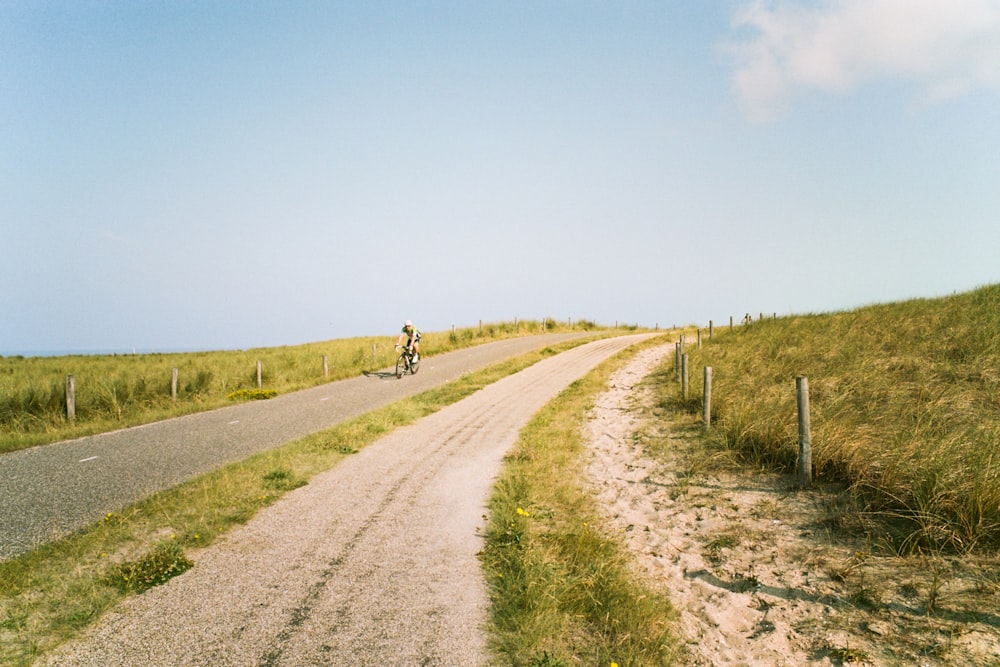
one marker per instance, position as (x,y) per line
(47,492)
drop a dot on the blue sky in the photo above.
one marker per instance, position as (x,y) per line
(203,175)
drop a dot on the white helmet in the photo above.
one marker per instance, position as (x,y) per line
(408,323)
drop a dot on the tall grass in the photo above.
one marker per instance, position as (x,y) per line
(905,408)
(115,391)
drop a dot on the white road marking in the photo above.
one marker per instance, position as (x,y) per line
(237,421)
(90,459)
(325,398)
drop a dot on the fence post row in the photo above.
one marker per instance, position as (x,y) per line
(805,431)
(680,364)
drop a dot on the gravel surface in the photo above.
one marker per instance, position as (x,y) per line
(49,491)
(372,563)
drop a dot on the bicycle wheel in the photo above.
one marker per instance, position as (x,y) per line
(414,365)
(401,365)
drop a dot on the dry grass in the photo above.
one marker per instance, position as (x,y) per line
(905,408)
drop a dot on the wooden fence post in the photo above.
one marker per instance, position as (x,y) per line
(374,362)
(326,368)
(708,397)
(173,384)
(805,431)
(677,361)
(684,376)
(699,338)
(710,325)
(730,322)
(260,376)
(70,398)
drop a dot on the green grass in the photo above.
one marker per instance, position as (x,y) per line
(55,591)
(905,409)
(116,391)
(561,587)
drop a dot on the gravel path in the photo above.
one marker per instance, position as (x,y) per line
(49,491)
(372,563)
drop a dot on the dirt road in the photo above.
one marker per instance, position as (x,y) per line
(372,563)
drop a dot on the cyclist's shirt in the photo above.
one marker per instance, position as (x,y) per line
(413,335)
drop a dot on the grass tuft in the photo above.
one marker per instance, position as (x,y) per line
(166,561)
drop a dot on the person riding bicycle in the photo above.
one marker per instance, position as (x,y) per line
(412,339)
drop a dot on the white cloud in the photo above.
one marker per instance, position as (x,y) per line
(944,47)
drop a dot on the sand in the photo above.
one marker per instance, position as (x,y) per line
(763,573)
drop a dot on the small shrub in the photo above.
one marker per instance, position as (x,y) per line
(165,562)
(546,660)
(282,479)
(252,394)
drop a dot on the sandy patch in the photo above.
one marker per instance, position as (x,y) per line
(764,574)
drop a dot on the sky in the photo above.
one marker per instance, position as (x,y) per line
(179,175)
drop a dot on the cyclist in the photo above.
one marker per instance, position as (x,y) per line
(412,339)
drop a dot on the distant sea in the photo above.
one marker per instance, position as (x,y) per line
(66,353)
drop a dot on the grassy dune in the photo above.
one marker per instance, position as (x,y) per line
(905,409)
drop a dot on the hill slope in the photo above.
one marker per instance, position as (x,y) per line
(905,408)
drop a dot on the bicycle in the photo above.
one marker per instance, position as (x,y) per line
(406,362)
